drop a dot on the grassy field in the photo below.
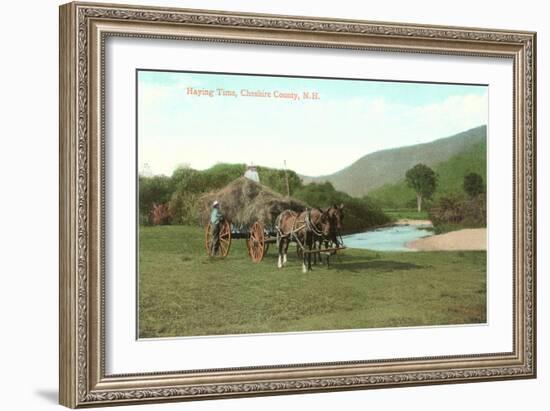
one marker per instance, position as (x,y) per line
(183,292)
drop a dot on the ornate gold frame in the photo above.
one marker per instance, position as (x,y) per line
(83,30)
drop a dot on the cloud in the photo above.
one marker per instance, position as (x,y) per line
(315,138)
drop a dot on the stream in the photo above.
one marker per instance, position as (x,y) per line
(393,238)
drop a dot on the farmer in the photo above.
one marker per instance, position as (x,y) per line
(216,218)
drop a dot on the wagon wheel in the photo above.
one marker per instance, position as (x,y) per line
(266,247)
(256,242)
(225,239)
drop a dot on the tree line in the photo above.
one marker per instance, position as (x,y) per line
(179,194)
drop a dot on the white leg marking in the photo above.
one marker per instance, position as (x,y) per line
(279,263)
(284,259)
(304,268)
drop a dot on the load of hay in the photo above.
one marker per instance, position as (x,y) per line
(244,202)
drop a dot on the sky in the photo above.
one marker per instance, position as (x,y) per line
(179,124)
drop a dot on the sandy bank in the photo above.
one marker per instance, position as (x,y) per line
(467,239)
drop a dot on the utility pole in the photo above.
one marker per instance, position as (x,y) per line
(286,178)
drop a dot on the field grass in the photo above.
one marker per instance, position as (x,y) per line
(183,292)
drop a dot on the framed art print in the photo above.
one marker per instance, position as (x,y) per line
(258,204)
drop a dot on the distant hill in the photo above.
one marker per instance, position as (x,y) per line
(375,170)
(450,178)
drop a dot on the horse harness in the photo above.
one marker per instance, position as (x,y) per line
(308,224)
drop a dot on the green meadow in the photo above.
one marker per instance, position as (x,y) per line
(184,292)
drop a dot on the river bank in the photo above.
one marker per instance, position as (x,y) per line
(468,239)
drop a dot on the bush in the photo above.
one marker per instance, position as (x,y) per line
(160,214)
(156,189)
(453,212)
(184,208)
(276,180)
(475,211)
(360,213)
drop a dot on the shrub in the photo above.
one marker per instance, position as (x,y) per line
(359,213)
(184,207)
(155,189)
(453,212)
(160,214)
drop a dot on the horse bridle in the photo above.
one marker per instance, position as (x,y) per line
(311,226)
(336,233)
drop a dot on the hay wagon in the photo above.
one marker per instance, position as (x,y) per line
(249,210)
(257,237)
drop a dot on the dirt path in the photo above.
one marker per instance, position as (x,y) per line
(467,239)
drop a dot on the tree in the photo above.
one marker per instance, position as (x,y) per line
(275,179)
(473,185)
(155,189)
(361,213)
(422,179)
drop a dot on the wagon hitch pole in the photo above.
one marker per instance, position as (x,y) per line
(327,252)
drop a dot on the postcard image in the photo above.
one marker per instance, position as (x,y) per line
(271,203)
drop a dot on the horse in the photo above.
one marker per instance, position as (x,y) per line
(336,217)
(303,228)
(285,224)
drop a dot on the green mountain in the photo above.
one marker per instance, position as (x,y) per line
(384,167)
(450,177)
